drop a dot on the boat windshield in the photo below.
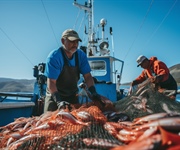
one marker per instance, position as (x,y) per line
(98,68)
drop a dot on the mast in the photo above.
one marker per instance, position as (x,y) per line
(88,7)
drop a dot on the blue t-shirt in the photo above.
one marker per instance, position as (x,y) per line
(55,63)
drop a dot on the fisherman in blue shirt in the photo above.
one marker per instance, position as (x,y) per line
(63,69)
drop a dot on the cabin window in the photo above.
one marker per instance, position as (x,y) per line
(98,68)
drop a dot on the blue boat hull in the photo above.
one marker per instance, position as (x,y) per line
(8,115)
(15,105)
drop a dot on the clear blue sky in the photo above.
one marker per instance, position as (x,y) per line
(27,35)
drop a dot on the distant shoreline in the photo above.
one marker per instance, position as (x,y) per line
(128,84)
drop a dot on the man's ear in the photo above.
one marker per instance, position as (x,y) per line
(62,40)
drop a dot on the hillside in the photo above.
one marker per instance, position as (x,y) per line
(16,85)
(24,85)
(175,71)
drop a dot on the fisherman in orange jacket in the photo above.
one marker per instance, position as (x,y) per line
(157,72)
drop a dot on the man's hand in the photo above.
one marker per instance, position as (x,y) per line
(60,104)
(154,79)
(133,83)
(63,105)
(94,94)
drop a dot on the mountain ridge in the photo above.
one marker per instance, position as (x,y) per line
(16,85)
(27,85)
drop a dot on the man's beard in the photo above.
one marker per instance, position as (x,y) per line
(72,52)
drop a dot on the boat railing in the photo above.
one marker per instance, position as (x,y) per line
(25,96)
(178,91)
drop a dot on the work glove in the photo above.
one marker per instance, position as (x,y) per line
(156,79)
(60,104)
(94,94)
(63,105)
(133,83)
(133,87)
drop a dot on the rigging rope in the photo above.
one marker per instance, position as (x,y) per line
(160,23)
(16,46)
(81,22)
(85,38)
(49,22)
(76,19)
(139,28)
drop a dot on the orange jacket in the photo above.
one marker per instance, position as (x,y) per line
(156,68)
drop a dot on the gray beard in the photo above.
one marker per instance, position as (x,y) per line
(69,50)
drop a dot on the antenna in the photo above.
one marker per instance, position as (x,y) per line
(111,33)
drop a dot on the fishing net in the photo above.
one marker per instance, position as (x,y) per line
(92,126)
(94,134)
(60,130)
(145,101)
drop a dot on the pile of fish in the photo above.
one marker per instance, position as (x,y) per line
(146,101)
(77,128)
(100,127)
(153,132)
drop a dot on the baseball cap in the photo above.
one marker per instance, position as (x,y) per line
(140,59)
(71,35)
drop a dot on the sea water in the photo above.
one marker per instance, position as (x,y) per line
(178,95)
